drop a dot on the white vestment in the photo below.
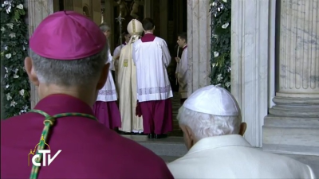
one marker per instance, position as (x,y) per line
(151,60)
(231,156)
(108,92)
(117,52)
(118,49)
(181,71)
(127,92)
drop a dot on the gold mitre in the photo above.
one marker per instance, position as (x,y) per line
(135,27)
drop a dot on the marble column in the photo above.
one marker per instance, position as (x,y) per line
(293,123)
(37,11)
(198,37)
(249,60)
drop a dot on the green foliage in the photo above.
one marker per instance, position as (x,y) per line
(14,45)
(220,42)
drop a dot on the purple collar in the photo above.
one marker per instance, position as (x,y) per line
(148,38)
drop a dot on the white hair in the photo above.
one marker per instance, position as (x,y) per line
(80,72)
(206,125)
(104,27)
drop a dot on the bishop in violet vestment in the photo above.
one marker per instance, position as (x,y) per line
(63,118)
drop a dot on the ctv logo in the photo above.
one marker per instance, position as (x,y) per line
(44,154)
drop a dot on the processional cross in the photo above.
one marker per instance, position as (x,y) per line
(119,19)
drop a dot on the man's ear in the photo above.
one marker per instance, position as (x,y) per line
(189,138)
(103,76)
(242,129)
(29,68)
(154,28)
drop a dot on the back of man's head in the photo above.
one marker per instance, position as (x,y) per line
(148,24)
(104,27)
(75,54)
(210,111)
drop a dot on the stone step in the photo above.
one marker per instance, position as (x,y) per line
(291,122)
(310,160)
(291,135)
(293,111)
(169,147)
(296,101)
(292,140)
(292,149)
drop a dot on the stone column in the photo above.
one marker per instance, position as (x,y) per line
(249,62)
(37,11)
(163,20)
(148,4)
(293,123)
(110,20)
(198,37)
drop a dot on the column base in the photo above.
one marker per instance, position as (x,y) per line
(295,107)
(292,126)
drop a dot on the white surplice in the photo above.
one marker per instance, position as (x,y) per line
(181,71)
(151,60)
(126,81)
(108,92)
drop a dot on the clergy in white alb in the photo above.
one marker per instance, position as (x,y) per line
(105,107)
(117,51)
(116,54)
(127,82)
(182,67)
(151,57)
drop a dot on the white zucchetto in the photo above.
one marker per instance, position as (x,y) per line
(212,100)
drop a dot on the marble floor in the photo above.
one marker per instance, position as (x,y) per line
(176,105)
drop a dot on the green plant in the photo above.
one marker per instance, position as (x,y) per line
(14,46)
(220,42)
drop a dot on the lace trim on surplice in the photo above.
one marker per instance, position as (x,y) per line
(154,90)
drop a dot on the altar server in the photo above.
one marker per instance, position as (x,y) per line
(105,107)
(151,57)
(182,67)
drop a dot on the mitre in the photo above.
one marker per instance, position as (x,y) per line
(135,27)
(67,35)
(213,100)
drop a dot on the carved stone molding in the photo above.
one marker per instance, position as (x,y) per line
(37,11)
(249,62)
(198,40)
